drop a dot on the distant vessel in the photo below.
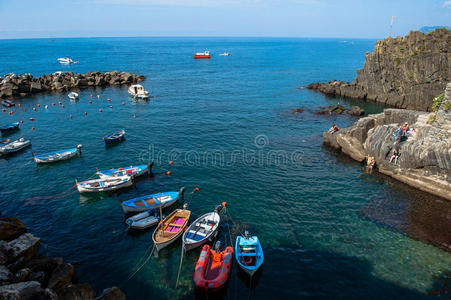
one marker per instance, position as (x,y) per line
(66,61)
(138,91)
(73,96)
(205,54)
(225,54)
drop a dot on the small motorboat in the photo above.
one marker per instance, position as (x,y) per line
(171,228)
(143,220)
(205,54)
(132,171)
(104,185)
(116,137)
(66,61)
(8,103)
(138,91)
(225,54)
(57,155)
(73,96)
(4,142)
(213,267)
(14,146)
(150,202)
(203,229)
(249,253)
(10,127)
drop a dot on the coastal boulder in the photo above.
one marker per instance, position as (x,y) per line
(35,87)
(22,275)
(356,111)
(11,228)
(61,276)
(28,290)
(26,246)
(113,293)
(81,291)
(45,264)
(5,275)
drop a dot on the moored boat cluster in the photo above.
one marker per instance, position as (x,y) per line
(12,85)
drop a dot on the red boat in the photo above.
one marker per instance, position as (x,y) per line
(205,54)
(213,268)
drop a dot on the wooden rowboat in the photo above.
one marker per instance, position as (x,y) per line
(171,228)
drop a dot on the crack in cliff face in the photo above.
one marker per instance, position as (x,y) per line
(396,73)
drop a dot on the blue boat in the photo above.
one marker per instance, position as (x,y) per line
(4,142)
(116,137)
(8,103)
(132,171)
(153,201)
(249,253)
(10,127)
(57,155)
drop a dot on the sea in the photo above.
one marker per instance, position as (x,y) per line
(328,228)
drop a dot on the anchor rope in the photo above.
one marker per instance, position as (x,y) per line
(180,266)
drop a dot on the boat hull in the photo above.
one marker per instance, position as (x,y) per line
(44,159)
(211,275)
(171,228)
(11,148)
(252,261)
(201,56)
(132,171)
(143,220)
(130,206)
(202,230)
(87,189)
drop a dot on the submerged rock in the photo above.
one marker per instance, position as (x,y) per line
(61,276)
(27,290)
(355,111)
(11,228)
(81,291)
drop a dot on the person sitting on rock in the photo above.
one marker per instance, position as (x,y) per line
(395,156)
(333,129)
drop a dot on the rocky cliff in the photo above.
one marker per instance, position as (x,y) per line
(13,85)
(425,160)
(404,72)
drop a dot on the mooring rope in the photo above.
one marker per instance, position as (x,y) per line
(142,265)
(180,266)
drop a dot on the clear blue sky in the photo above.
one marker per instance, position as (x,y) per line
(284,18)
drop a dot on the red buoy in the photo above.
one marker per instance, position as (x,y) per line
(34,108)
(168,173)
(123,103)
(31,119)
(33,128)
(86,113)
(111,106)
(100,110)
(171,162)
(39,105)
(53,103)
(62,106)
(90,101)
(70,116)
(108,99)
(3,109)
(196,189)
(134,116)
(59,102)
(21,121)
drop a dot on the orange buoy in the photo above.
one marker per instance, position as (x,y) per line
(168,173)
(111,106)
(108,99)
(224,203)
(34,108)
(70,116)
(100,110)
(123,103)
(62,106)
(171,162)
(196,189)
(33,128)
(59,102)
(31,119)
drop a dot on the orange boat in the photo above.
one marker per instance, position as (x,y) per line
(205,54)
(213,268)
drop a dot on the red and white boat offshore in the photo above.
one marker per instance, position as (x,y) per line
(205,54)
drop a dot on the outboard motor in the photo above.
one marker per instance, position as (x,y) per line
(79,146)
(217,246)
(246,234)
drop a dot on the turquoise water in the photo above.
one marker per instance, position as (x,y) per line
(227,124)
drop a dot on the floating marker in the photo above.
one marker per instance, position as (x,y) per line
(70,116)
(171,162)
(33,128)
(100,110)
(168,173)
(21,121)
(111,106)
(86,113)
(123,103)
(53,103)
(3,110)
(39,105)
(90,101)
(196,189)
(62,106)
(34,108)
(134,116)
(108,99)
(31,119)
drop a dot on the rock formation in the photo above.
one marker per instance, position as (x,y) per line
(404,72)
(425,160)
(26,275)
(23,85)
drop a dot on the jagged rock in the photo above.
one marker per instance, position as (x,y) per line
(61,276)
(28,290)
(22,275)
(336,109)
(6,253)
(5,274)
(47,294)
(35,87)
(11,228)
(113,293)
(356,111)
(425,161)
(405,72)
(81,291)
(39,277)
(26,246)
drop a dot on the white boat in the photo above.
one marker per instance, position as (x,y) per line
(104,185)
(225,54)
(73,96)
(138,91)
(14,146)
(66,61)
(143,220)
(57,155)
(203,229)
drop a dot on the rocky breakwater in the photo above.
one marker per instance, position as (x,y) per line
(12,85)
(425,153)
(404,72)
(26,275)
